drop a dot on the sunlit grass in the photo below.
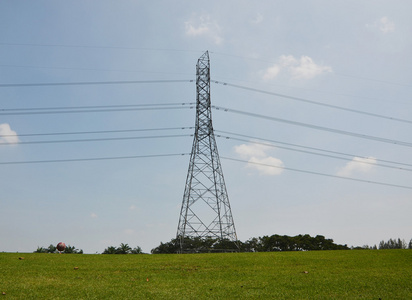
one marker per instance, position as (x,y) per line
(352,274)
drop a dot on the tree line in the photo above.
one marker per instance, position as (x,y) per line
(53,249)
(273,243)
(390,244)
(261,244)
(122,249)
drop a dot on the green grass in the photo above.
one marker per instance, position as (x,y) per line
(367,274)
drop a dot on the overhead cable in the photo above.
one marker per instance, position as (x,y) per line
(315,102)
(90,159)
(252,139)
(335,73)
(4,85)
(99,139)
(96,132)
(319,174)
(93,109)
(359,135)
(365,161)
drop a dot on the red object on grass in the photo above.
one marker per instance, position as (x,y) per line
(61,246)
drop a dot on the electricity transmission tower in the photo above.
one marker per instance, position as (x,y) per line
(205,211)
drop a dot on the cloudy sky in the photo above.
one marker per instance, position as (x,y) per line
(313,118)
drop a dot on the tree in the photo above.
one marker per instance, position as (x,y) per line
(261,244)
(393,244)
(123,249)
(51,249)
(72,250)
(110,250)
(166,248)
(137,250)
(252,245)
(40,250)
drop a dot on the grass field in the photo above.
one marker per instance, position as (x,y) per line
(363,274)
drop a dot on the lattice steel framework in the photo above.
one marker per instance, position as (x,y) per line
(205,211)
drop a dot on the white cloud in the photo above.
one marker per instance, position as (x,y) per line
(258,159)
(204,26)
(264,165)
(7,135)
(384,25)
(357,165)
(306,68)
(93,215)
(303,68)
(271,72)
(247,151)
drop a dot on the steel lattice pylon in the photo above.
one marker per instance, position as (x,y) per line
(205,211)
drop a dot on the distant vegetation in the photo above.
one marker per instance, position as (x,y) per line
(52,249)
(123,249)
(273,243)
(390,244)
(261,244)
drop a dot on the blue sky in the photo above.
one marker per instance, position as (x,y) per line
(348,54)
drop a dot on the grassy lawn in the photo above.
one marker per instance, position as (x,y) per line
(363,274)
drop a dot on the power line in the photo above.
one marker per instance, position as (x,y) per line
(354,134)
(303,147)
(95,132)
(92,69)
(254,141)
(99,47)
(4,85)
(321,154)
(90,159)
(94,106)
(183,154)
(373,79)
(338,74)
(314,102)
(320,174)
(94,109)
(100,139)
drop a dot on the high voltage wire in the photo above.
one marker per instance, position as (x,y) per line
(98,47)
(319,154)
(90,159)
(86,109)
(319,174)
(5,85)
(94,109)
(181,50)
(100,139)
(94,69)
(300,146)
(314,102)
(95,132)
(95,106)
(339,74)
(254,141)
(183,154)
(359,135)
(217,82)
